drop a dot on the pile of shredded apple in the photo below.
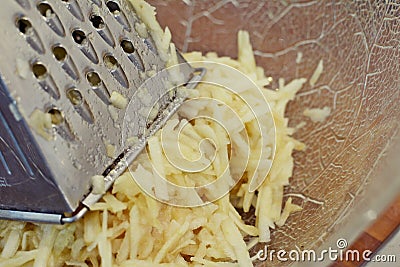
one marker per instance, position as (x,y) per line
(129,228)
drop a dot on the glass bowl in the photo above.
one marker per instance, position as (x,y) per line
(350,169)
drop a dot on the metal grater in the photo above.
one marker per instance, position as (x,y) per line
(66,57)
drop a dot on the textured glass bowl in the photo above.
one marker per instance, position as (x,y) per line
(352,160)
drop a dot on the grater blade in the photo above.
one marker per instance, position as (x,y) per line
(66,58)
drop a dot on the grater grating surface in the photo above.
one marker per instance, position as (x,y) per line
(66,58)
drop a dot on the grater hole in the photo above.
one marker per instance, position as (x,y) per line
(113,7)
(46,10)
(79,36)
(97,21)
(127,46)
(56,116)
(75,96)
(93,79)
(24,25)
(60,53)
(39,70)
(110,62)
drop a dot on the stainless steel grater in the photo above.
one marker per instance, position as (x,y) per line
(65,58)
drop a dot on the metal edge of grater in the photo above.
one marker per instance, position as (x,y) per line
(66,58)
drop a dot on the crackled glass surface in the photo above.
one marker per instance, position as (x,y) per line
(350,162)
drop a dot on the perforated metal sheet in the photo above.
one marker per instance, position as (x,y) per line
(66,58)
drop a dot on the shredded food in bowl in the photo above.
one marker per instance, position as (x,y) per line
(130,228)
